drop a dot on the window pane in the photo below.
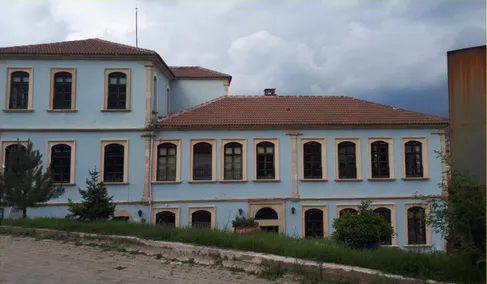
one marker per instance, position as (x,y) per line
(270,150)
(123,81)
(163,151)
(260,150)
(238,150)
(228,150)
(172,151)
(113,81)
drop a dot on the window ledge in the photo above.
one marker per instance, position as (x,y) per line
(233,181)
(381,179)
(416,178)
(65,184)
(202,181)
(165,182)
(418,246)
(266,180)
(18,110)
(115,110)
(62,110)
(313,179)
(348,179)
(115,183)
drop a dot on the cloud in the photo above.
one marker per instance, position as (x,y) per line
(378,50)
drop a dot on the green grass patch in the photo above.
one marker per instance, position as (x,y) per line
(435,266)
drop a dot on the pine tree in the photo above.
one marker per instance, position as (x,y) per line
(23,184)
(97,205)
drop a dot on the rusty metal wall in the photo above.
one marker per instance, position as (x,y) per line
(466,96)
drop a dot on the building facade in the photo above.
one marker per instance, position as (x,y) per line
(174,148)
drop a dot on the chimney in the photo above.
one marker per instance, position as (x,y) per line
(269,92)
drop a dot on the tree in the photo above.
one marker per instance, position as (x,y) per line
(23,183)
(97,205)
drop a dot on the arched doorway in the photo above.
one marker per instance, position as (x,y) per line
(313,223)
(268,219)
(166,218)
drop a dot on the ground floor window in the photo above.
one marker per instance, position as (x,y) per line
(201,219)
(166,218)
(1,214)
(121,218)
(313,223)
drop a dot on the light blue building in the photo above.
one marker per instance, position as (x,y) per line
(174,147)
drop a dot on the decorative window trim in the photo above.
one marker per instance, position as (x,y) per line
(72,144)
(243,142)
(30,100)
(279,207)
(212,142)
(424,157)
(210,209)
(155,154)
(323,208)
(390,143)
(340,207)
(358,158)
(125,144)
(322,141)
(275,141)
(392,208)
(5,144)
(127,72)
(123,213)
(175,210)
(428,228)
(72,71)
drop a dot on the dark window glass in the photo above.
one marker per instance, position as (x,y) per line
(114,163)
(166,218)
(117,91)
(380,159)
(266,213)
(63,83)
(386,214)
(347,210)
(265,161)
(347,163)
(313,226)
(8,155)
(233,161)
(19,90)
(201,219)
(312,160)
(121,218)
(202,161)
(414,159)
(416,226)
(61,163)
(166,162)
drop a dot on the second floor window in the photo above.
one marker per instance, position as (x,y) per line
(63,84)
(202,161)
(166,162)
(233,161)
(265,161)
(117,91)
(347,160)
(113,169)
(19,90)
(312,160)
(413,159)
(379,153)
(61,163)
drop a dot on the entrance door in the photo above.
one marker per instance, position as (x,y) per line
(313,223)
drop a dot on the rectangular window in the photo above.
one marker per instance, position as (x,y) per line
(18,97)
(381,158)
(348,162)
(166,161)
(62,95)
(233,160)
(117,95)
(114,161)
(266,159)
(313,159)
(202,160)
(61,158)
(415,157)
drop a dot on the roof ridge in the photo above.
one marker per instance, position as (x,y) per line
(193,108)
(218,73)
(121,44)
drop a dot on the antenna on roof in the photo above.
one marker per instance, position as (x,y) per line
(136,26)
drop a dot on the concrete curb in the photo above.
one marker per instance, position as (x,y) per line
(248,261)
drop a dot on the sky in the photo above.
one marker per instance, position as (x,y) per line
(387,51)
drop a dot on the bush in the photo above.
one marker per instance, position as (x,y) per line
(244,222)
(361,230)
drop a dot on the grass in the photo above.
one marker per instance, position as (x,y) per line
(435,266)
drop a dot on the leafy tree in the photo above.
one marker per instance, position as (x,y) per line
(23,184)
(366,228)
(97,205)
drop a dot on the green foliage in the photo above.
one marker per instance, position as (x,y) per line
(244,222)
(460,214)
(97,205)
(361,229)
(23,184)
(435,265)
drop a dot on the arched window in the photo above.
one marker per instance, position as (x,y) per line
(233,162)
(313,223)
(166,162)
(63,85)
(202,161)
(265,161)
(312,160)
(413,159)
(201,219)
(19,90)
(166,218)
(61,163)
(347,211)
(9,154)
(347,160)
(379,152)
(386,214)
(117,91)
(113,170)
(416,226)
(266,213)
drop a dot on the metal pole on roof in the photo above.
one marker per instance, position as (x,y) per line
(136,26)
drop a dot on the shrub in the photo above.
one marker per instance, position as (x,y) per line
(364,229)
(244,222)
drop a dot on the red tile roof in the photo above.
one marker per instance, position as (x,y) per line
(185,72)
(275,111)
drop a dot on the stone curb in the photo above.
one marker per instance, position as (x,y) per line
(250,259)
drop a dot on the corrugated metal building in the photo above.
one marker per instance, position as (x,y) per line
(466,96)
